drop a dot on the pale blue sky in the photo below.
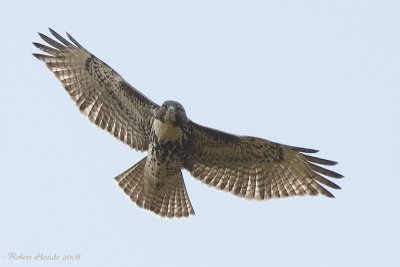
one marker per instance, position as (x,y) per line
(317,74)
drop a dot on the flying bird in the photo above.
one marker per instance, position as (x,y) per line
(246,166)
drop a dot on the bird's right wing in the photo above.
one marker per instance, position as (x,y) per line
(99,91)
(255,168)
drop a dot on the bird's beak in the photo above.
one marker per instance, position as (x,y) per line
(169,115)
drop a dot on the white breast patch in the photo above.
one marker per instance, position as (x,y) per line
(166,131)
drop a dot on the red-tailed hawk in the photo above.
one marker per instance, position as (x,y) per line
(246,166)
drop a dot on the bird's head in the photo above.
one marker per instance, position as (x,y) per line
(169,121)
(172,112)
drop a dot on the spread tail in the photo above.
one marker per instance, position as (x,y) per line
(169,199)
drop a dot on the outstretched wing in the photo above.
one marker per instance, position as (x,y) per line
(255,168)
(99,91)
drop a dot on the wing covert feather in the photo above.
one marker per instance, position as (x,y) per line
(255,168)
(98,91)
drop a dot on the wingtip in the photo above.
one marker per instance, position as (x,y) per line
(324,171)
(319,160)
(51,30)
(73,40)
(335,186)
(336,175)
(38,56)
(328,194)
(328,162)
(304,150)
(42,35)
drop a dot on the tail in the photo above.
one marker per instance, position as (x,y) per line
(170,199)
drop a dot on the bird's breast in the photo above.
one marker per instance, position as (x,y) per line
(166,131)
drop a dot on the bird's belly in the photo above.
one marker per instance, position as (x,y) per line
(162,163)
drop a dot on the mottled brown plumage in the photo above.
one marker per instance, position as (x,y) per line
(246,166)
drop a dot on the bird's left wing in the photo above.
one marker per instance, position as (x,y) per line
(99,91)
(255,168)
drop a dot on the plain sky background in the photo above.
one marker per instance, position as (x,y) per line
(316,74)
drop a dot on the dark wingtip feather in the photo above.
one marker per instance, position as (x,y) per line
(73,40)
(38,56)
(51,41)
(43,36)
(327,193)
(320,161)
(322,180)
(304,150)
(53,32)
(330,195)
(324,171)
(60,38)
(46,49)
